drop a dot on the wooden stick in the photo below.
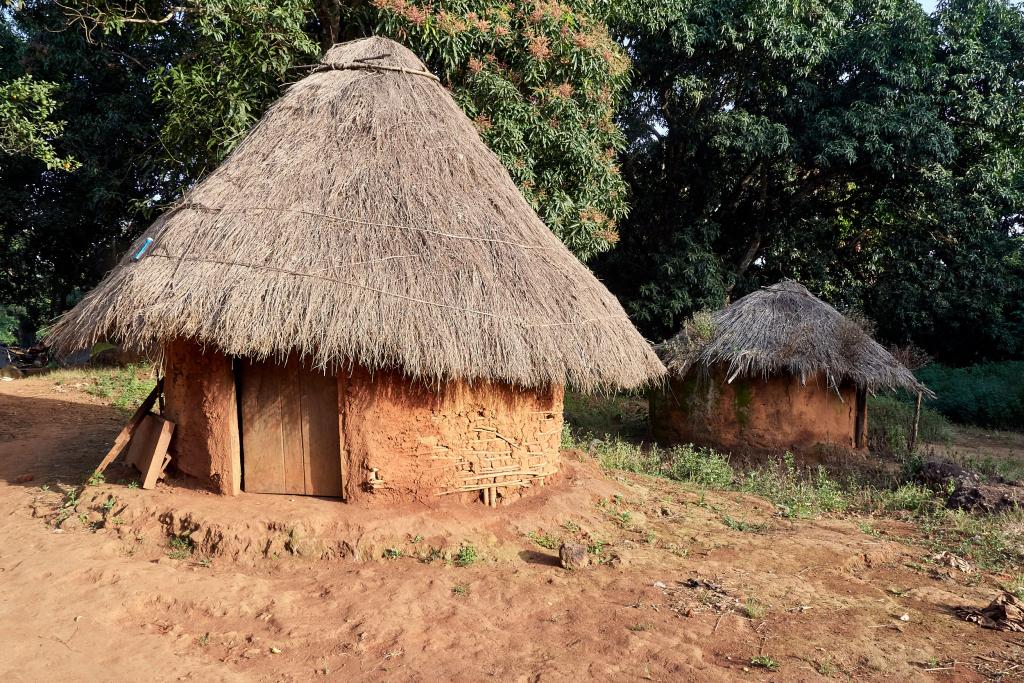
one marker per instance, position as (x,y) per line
(912,444)
(125,435)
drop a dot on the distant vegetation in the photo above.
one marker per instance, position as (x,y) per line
(988,395)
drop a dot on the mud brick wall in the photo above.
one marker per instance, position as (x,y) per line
(753,414)
(412,441)
(199,391)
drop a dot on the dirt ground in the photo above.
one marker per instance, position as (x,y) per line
(685,585)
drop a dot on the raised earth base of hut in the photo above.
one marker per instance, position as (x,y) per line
(759,415)
(285,428)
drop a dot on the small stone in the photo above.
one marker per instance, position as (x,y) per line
(573,556)
(905,617)
(660,584)
(275,650)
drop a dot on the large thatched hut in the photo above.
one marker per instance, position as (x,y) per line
(777,369)
(359,302)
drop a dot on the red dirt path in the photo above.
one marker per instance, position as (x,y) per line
(255,602)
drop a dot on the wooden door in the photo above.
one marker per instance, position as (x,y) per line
(290,436)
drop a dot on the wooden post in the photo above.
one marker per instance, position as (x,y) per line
(912,442)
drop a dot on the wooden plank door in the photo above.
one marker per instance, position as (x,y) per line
(290,436)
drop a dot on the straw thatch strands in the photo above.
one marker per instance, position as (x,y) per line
(784,329)
(777,370)
(364,222)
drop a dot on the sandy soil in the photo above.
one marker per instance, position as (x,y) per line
(282,588)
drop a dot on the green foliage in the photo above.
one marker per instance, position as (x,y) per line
(541,81)
(794,493)
(61,230)
(700,466)
(125,387)
(993,542)
(10,321)
(544,539)
(181,546)
(26,126)
(862,147)
(988,395)
(765,662)
(890,420)
(243,50)
(393,553)
(466,555)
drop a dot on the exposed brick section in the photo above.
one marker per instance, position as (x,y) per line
(483,440)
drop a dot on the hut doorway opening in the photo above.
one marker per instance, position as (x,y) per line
(291,441)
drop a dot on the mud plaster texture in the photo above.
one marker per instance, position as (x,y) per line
(199,393)
(410,441)
(400,440)
(755,415)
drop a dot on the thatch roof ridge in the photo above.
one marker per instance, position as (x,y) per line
(784,329)
(363,221)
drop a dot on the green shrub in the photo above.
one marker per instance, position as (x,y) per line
(989,395)
(466,555)
(890,420)
(614,453)
(795,493)
(701,466)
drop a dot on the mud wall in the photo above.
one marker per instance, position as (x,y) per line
(776,414)
(406,441)
(199,392)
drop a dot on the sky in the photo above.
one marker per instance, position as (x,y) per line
(929,5)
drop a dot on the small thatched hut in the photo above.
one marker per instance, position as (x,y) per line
(778,369)
(359,302)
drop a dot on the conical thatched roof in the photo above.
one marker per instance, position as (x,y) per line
(364,221)
(786,329)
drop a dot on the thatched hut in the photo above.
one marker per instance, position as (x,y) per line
(778,369)
(359,302)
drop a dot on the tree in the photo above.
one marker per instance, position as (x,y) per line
(60,227)
(541,80)
(25,124)
(857,145)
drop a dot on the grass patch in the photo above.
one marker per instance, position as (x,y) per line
(752,609)
(181,546)
(466,555)
(993,542)
(544,539)
(700,466)
(765,662)
(125,388)
(796,493)
(743,525)
(890,420)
